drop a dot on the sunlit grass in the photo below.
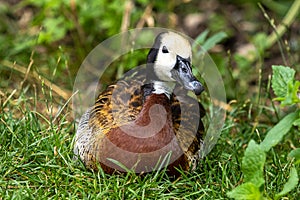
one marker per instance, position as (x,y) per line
(37,127)
(36,162)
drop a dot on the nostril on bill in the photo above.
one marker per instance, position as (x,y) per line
(197,87)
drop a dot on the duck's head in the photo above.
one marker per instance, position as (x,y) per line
(169,62)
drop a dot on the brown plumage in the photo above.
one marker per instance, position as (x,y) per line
(137,124)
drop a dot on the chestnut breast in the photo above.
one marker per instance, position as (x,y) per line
(141,144)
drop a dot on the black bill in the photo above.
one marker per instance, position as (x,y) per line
(182,73)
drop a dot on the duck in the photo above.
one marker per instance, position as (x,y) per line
(149,120)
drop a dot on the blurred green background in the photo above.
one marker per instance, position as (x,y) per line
(43,43)
(58,35)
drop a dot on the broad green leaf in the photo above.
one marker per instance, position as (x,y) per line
(281,77)
(201,38)
(290,184)
(213,40)
(253,164)
(297,121)
(291,96)
(246,191)
(275,135)
(295,154)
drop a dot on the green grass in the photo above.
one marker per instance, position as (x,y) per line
(37,127)
(36,162)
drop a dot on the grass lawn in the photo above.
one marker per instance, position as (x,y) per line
(38,67)
(36,160)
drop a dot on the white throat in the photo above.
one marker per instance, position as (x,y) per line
(161,87)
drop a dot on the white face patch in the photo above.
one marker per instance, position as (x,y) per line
(173,45)
(164,64)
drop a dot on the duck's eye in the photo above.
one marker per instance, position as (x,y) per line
(184,70)
(165,50)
